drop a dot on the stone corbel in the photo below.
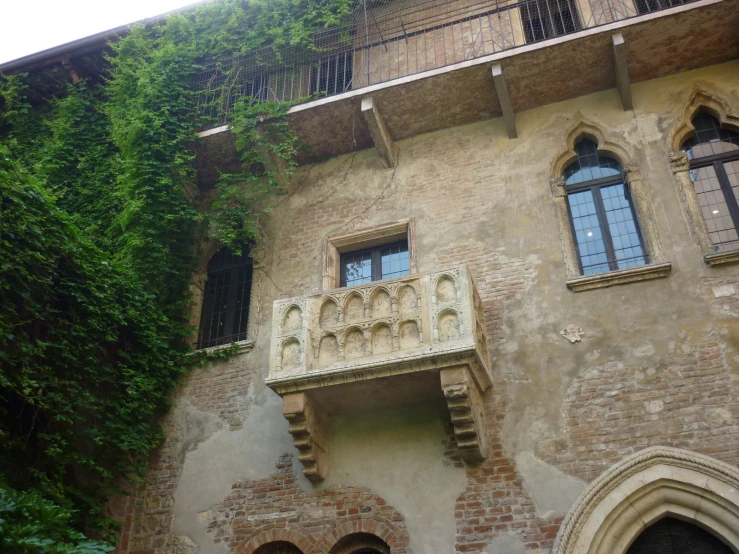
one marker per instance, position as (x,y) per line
(309,426)
(464,400)
(623,83)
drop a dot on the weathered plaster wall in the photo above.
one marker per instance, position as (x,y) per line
(658,363)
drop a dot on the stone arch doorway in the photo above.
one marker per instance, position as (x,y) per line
(645,488)
(675,536)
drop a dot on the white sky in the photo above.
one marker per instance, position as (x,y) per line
(29,26)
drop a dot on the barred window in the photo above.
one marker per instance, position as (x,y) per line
(714,169)
(543,19)
(602,216)
(225,313)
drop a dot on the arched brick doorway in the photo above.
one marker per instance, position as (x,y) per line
(675,536)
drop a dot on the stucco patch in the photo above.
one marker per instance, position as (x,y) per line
(552,491)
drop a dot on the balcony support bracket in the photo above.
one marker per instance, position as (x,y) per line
(464,400)
(505,101)
(623,83)
(378,132)
(309,426)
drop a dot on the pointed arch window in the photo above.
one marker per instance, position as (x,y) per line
(713,155)
(225,315)
(604,224)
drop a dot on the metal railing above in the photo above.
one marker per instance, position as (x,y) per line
(392,40)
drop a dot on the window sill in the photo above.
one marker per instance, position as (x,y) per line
(242,346)
(721,258)
(619,277)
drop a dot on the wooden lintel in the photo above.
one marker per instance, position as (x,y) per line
(623,83)
(378,132)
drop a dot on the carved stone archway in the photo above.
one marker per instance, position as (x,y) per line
(646,487)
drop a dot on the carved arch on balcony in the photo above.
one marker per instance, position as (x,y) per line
(448,325)
(441,291)
(645,487)
(263,539)
(623,154)
(353,342)
(375,294)
(353,306)
(700,100)
(383,337)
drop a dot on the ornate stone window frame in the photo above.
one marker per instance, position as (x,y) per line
(720,109)
(576,282)
(337,244)
(642,489)
(197,290)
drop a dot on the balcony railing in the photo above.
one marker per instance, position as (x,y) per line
(400,326)
(398,39)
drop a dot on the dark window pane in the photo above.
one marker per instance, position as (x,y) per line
(649,6)
(627,245)
(395,261)
(710,139)
(588,235)
(713,205)
(357,268)
(225,313)
(590,165)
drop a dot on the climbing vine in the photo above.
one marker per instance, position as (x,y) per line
(100,218)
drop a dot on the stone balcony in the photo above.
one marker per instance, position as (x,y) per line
(378,345)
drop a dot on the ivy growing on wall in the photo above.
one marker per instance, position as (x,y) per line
(98,241)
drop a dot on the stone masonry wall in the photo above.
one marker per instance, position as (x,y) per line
(658,363)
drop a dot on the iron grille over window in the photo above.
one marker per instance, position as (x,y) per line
(225,314)
(544,19)
(649,6)
(603,220)
(373,264)
(714,169)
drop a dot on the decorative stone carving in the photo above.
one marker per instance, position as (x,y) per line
(293,320)
(382,339)
(640,489)
(679,161)
(449,326)
(572,333)
(354,308)
(419,324)
(354,343)
(407,299)
(328,351)
(382,306)
(310,431)
(464,401)
(329,313)
(446,290)
(409,336)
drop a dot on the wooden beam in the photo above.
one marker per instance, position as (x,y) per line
(378,131)
(505,101)
(623,83)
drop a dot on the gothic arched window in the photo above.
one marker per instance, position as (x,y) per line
(713,153)
(225,313)
(603,220)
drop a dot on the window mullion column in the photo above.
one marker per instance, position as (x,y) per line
(731,203)
(600,212)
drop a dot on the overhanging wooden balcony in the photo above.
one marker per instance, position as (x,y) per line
(378,345)
(430,78)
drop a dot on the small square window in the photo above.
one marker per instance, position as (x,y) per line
(387,261)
